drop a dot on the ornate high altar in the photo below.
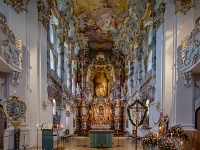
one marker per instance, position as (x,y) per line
(100,107)
(100,80)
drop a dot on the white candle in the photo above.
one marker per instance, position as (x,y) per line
(24,138)
(57,126)
(14,91)
(157,138)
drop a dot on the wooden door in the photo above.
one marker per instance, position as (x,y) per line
(197,119)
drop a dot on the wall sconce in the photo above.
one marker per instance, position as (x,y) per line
(15,76)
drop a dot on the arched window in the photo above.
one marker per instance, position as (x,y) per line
(54,106)
(149,61)
(51,32)
(52,62)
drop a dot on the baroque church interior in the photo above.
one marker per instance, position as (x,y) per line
(95,68)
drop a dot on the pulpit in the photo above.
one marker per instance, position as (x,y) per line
(101,137)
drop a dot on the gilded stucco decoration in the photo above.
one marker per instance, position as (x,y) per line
(11,48)
(15,110)
(159,15)
(18,5)
(184,6)
(44,105)
(190,49)
(43,14)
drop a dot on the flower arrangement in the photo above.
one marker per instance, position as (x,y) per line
(177,132)
(167,145)
(101,146)
(150,140)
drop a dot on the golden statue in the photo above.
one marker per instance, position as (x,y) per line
(162,124)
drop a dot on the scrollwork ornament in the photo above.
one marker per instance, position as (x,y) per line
(17,5)
(187,79)
(15,110)
(184,6)
(159,15)
(43,14)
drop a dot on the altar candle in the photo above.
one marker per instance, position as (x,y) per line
(157,138)
(14,91)
(181,143)
(24,138)
(57,126)
(171,135)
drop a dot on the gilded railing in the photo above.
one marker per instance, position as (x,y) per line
(191,49)
(11,48)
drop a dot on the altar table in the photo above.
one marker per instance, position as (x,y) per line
(101,137)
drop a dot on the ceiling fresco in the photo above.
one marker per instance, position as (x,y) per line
(100,20)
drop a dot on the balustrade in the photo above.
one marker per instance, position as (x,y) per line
(11,48)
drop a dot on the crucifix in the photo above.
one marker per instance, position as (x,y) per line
(136,108)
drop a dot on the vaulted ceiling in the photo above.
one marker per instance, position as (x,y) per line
(105,24)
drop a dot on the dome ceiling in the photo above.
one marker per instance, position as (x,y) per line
(100,20)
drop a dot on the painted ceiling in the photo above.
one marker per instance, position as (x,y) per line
(100,20)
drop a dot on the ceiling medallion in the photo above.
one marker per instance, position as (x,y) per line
(184,5)
(17,5)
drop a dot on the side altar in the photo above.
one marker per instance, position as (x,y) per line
(101,138)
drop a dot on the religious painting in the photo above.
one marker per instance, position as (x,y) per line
(100,111)
(100,20)
(100,84)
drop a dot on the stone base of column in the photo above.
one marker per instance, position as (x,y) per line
(9,137)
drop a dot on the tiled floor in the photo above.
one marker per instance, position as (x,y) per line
(82,143)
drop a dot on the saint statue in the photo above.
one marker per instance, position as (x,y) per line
(162,124)
(123,92)
(78,91)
